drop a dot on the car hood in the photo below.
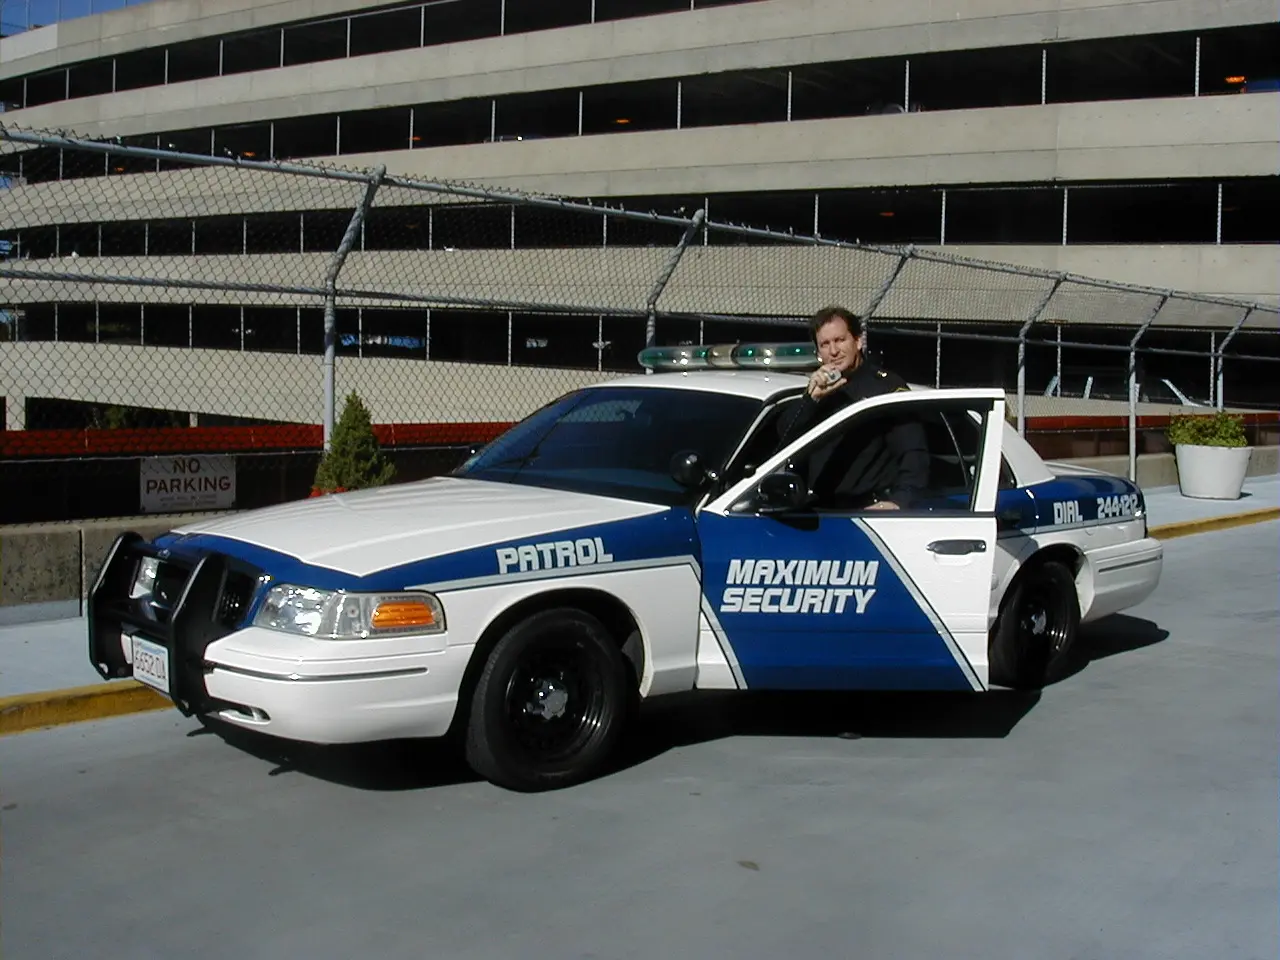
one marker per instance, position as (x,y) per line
(368,530)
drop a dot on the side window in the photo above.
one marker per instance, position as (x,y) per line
(760,446)
(1007,480)
(924,456)
(965,427)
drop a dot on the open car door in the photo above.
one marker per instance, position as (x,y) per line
(806,588)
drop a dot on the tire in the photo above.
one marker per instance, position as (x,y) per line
(550,704)
(1034,636)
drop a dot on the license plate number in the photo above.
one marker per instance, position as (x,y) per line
(151,664)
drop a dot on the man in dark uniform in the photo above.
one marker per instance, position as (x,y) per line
(880,467)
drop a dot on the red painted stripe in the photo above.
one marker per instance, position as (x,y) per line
(1121,422)
(161,440)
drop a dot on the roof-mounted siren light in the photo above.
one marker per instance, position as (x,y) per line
(731,356)
(674,358)
(777,356)
(723,355)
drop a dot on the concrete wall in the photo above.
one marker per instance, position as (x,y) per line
(767,33)
(772,32)
(47,569)
(1161,469)
(1248,271)
(1180,137)
(783,281)
(195,192)
(274,386)
(288,388)
(1112,140)
(1224,136)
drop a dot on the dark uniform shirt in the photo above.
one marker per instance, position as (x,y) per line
(885,459)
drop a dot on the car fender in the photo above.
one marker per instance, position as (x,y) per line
(1025,550)
(662,600)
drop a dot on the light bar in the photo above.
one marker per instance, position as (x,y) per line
(674,358)
(785,356)
(739,356)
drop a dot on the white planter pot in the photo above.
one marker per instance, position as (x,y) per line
(1212,473)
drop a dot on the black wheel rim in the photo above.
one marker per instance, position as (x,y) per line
(555,701)
(1043,621)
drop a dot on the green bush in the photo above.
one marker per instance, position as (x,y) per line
(354,459)
(1215,430)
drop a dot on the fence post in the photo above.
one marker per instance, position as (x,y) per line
(651,303)
(331,295)
(1133,384)
(878,297)
(937,357)
(1217,360)
(1213,352)
(1035,315)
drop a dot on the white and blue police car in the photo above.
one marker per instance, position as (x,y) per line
(639,537)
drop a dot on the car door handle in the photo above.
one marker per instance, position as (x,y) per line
(953,548)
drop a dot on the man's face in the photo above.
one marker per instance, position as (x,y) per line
(837,347)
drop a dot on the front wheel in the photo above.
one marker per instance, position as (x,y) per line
(1035,634)
(550,705)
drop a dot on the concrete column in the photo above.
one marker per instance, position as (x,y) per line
(15,413)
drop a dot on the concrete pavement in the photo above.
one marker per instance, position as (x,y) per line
(1127,813)
(1165,505)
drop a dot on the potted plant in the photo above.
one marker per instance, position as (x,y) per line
(1212,454)
(354,460)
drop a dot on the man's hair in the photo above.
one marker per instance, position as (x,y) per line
(827,314)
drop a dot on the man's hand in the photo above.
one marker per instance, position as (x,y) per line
(826,379)
(884,505)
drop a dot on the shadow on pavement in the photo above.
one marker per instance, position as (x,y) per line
(386,765)
(683,721)
(1110,637)
(687,719)
(1118,633)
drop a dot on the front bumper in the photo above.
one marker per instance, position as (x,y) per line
(299,688)
(196,601)
(320,699)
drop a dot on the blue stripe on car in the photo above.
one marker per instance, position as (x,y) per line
(650,537)
(892,644)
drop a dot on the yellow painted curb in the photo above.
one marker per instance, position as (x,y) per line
(50,708)
(1169,531)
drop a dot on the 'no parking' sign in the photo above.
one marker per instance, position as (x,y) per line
(174,484)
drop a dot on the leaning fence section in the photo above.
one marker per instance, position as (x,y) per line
(149,291)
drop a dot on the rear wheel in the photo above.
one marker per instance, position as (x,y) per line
(1035,633)
(550,704)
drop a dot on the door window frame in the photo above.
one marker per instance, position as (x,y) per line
(985,488)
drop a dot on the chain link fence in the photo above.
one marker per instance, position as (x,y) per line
(157,303)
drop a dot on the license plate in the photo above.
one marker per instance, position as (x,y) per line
(151,664)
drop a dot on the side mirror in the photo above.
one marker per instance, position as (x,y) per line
(687,470)
(781,492)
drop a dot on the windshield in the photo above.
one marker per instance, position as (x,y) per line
(617,441)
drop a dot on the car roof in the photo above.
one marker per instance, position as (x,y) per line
(757,384)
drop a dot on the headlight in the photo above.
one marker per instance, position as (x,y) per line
(333,615)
